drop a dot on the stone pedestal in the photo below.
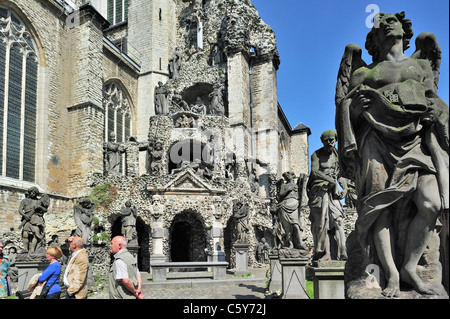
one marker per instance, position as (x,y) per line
(275,282)
(158,235)
(133,249)
(328,278)
(156,259)
(241,251)
(294,278)
(26,270)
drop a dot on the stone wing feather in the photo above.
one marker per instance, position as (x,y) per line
(427,48)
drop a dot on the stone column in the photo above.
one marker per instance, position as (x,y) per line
(241,252)
(294,278)
(158,234)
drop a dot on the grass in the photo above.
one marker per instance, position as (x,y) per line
(310,289)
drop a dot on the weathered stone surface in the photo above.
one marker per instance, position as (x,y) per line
(400,168)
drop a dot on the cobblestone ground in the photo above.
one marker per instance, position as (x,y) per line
(244,289)
(241,291)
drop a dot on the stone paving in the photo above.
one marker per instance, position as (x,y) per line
(233,287)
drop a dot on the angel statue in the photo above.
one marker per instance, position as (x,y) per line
(393,142)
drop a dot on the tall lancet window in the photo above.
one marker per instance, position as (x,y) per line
(117,11)
(18,98)
(118,115)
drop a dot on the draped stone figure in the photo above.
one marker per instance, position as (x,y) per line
(161,99)
(83,213)
(129,215)
(175,64)
(113,153)
(291,222)
(217,106)
(393,142)
(240,213)
(326,211)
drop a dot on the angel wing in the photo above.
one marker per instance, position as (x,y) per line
(351,61)
(427,48)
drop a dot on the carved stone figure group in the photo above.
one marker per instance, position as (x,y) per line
(167,102)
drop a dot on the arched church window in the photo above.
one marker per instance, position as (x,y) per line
(18,98)
(118,113)
(117,11)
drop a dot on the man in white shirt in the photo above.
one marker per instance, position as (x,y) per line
(75,276)
(125,281)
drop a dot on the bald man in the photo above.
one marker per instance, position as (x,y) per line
(125,281)
(75,276)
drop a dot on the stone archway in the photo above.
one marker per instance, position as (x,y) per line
(188,238)
(143,237)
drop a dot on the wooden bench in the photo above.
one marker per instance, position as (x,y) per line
(26,294)
(159,270)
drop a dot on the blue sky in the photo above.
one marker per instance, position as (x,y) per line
(311,37)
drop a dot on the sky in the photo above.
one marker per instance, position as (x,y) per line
(311,38)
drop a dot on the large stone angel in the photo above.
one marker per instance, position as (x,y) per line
(393,141)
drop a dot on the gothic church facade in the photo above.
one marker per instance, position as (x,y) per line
(73,72)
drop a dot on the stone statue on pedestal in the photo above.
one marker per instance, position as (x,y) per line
(326,211)
(240,213)
(290,221)
(32,208)
(393,140)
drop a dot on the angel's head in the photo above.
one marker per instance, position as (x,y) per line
(385,25)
